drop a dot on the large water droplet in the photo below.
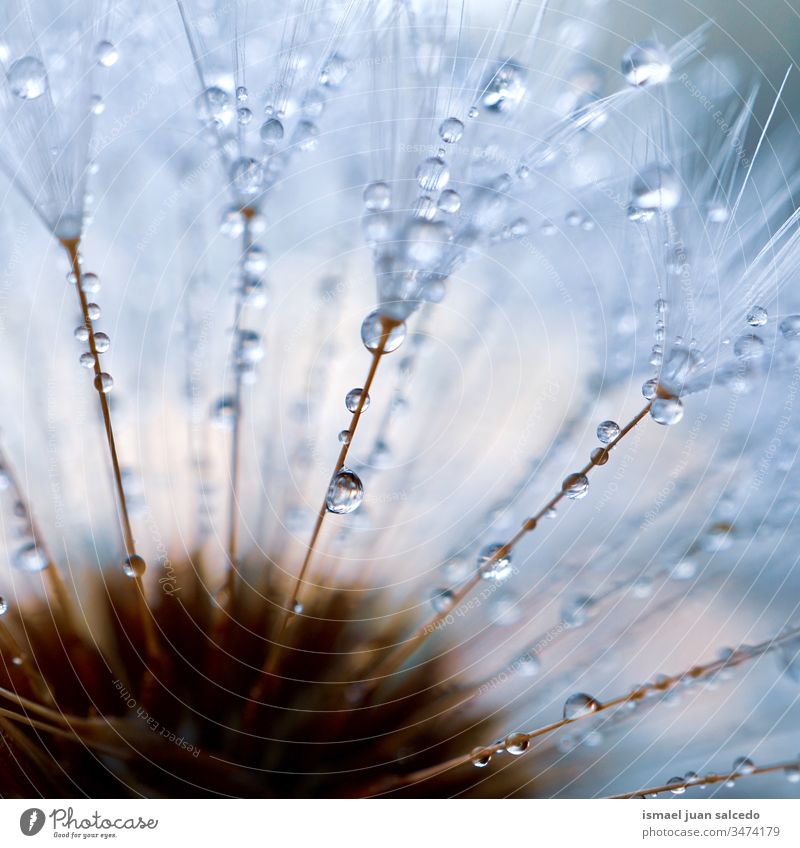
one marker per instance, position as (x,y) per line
(645,63)
(451,130)
(480,758)
(373,330)
(345,492)
(607,431)
(352,399)
(575,486)
(580,705)
(667,411)
(433,174)
(516,744)
(104,382)
(27,78)
(271,132)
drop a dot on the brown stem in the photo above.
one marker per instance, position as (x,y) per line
(400,653)
(706,780)
(267,670)
(153,650)
(665,684)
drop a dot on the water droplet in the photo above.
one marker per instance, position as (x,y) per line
(102,342)
(667,411)
(334,72)
(516,744)
(344,437)
(645,63)
(298,608)
(503,87)
(106,54)
(353,398)
(433,174)
(255,261)
(492,567)
(95,313)
(506,610)
(345,492)
(87,359)
(528,665)
(451,130)
(677,784)
(691,777)
(749,347)
(3,605)
(373,330)
(442,600)
(607,431)
(104,382)
(575,486)
(81,333)
(377,196)
(271,132)
(580,705)
(757,316)
(743,765)
(480,758)
(30,558)
(449,201)
(656,189)
(223,412)
(649,389)
(90,283)
(425,207)
(244,116)
(96,104)
(599,456)
(214,105)
(247,176)
(248,348)
(792,774)
(27,78)
(790,327)
(577,611)
(134,566)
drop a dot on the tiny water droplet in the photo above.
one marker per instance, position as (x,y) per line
(480,758)
(757,316)
(449,201)
(134,566)
(298,608)
(345,492)
(645,63)
(749,347)
(442,600)
(3,605)
(493,567)
(106,54)
(743,765)
(649,388)
(677,784)
(528,665)
(81,333)
(344,437)
(87,359)
(790,327)
(30,558)
(599,456)
(377,196)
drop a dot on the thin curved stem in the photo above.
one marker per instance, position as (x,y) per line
(267,670)
(664,685)
(401,652)
(706,780)
(152,647)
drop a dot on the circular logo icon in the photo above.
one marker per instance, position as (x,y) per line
(31,821)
